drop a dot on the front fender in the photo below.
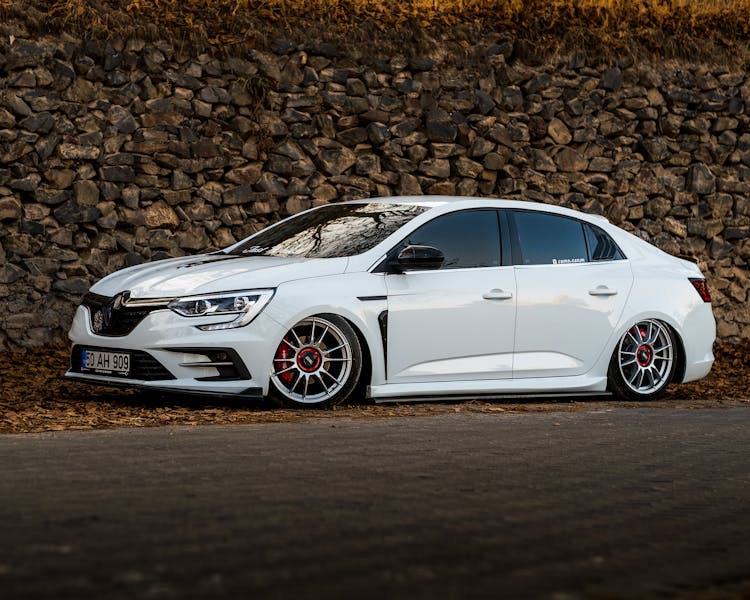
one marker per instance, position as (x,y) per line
(357,297)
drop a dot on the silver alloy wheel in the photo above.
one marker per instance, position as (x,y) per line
(312,362)
(645,355)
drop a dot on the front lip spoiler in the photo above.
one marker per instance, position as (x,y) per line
(251,393)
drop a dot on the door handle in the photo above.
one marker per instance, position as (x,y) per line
(497,295)
(602,290)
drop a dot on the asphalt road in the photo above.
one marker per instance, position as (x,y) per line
(617,503)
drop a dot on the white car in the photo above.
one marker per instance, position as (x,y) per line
(405,298)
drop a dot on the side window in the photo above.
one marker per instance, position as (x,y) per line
(601,246)
(469,238)
(545,239)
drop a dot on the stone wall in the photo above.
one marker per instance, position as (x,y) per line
(111,155)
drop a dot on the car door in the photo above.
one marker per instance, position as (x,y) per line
(456,322)
(572,285)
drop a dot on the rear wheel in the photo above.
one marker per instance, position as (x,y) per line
(318,363)
(643,362)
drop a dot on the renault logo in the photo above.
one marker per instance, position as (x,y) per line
(120,299)
(102,317)
(97,321)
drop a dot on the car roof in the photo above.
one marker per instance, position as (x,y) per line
(474,202)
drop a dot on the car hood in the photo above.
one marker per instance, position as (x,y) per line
(209,273)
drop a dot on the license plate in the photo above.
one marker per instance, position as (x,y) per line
(108,363)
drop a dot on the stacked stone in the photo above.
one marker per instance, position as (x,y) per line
(113,154)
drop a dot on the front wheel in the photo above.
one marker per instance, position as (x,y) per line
(643,362)
(318,363)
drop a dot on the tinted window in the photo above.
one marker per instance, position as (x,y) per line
(546,239)
(601,246)
(330,231)
(469,238)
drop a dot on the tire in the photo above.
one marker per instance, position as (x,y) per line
(318,363)
(643,362)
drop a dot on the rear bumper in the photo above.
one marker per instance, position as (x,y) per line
(698,333)
(698,369)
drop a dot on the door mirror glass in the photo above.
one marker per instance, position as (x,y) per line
(417,258)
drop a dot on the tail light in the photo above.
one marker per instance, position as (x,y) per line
(701,287)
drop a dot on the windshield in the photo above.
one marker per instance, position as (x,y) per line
(331,231)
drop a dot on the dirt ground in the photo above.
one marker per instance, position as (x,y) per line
(34,398)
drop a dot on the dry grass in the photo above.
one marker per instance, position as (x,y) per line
(669,27)
(34,397)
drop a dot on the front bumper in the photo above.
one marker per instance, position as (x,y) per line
(181,358)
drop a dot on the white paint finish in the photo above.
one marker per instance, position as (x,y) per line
(498,365)
(209,273)
(441,328)
(440,321)
(539,362)
(561,328)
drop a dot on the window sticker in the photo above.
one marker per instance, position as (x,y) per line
(567,261)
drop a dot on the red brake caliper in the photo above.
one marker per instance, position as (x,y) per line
(285,352)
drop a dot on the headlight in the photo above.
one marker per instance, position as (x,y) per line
(246,305)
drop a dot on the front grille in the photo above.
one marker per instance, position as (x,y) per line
(142,365)
(113,318)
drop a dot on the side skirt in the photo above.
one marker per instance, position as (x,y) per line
(511,396)
(488,388)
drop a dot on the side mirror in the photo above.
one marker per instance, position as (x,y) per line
(414,258)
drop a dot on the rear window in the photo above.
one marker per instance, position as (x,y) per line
(601,246)
(545,239)
(331,231)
